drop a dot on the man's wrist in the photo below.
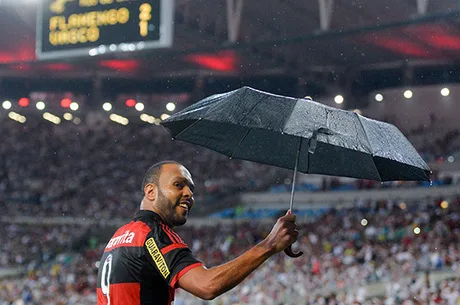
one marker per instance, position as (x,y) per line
(267,248)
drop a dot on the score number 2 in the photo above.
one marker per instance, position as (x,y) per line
(144,17)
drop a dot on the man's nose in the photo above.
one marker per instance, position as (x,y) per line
(187,192)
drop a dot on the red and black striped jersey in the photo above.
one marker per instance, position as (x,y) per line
(142,263)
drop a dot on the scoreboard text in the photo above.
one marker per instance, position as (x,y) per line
(69,28)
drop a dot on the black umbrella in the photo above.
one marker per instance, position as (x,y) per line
(298,134)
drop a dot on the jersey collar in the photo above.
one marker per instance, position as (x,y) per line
(146,215)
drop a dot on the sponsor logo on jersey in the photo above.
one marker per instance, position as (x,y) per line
(125,238)
(157,257)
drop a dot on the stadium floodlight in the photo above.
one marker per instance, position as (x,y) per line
(68,116)
(417,230)
(379,97)
(107,106)
(139,106)
(364,222)
(74,106)
(147,118)
(40,105)
(119,119)
(445,91)
(51,118)
(170,106)
(338,99)
(17,117)
(164,116)
(6,104)
(408,94)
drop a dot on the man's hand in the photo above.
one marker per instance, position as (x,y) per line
(283,234)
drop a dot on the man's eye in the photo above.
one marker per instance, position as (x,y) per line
(178,185)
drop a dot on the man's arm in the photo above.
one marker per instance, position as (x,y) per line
(210,283)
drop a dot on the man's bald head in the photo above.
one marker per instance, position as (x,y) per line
(153,173)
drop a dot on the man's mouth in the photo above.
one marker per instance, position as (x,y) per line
(184,205)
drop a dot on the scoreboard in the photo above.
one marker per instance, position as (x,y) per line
(70,28)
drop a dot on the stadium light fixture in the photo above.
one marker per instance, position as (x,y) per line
(378,97)
(338,99)
(139,106)
(147,118)
(119,119)
(417,230)
(408,94)
(6,105)
(107,106)
(164,116)
(445,91)
(40,105)
(17,117)
(364,222)
(68,116)
(74,106)
(170,106)
(51,118)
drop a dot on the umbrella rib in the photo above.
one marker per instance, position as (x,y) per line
(187,128)
(365,133)
(253,107)
(241,141)
(210,109)
(369,145)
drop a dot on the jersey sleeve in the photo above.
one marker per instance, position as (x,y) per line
(166,251)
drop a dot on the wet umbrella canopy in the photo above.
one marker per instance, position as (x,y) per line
(298,134)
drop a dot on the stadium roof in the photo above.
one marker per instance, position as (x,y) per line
(323,41)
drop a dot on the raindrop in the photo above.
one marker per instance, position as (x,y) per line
(173,139)
(431,183)
(229,158)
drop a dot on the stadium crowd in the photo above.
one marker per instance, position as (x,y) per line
(94,170)
(342,256)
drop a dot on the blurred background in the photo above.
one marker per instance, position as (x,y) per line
(84,85)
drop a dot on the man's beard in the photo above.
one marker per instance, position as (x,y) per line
(173,219)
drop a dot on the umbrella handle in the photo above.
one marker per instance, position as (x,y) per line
(290,253)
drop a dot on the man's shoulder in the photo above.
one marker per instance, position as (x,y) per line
(129,235)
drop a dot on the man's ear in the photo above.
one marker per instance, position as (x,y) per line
(150,191)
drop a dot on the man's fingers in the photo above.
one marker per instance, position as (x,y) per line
(289,225)
(289,217)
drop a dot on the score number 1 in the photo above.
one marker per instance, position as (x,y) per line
(144,17)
